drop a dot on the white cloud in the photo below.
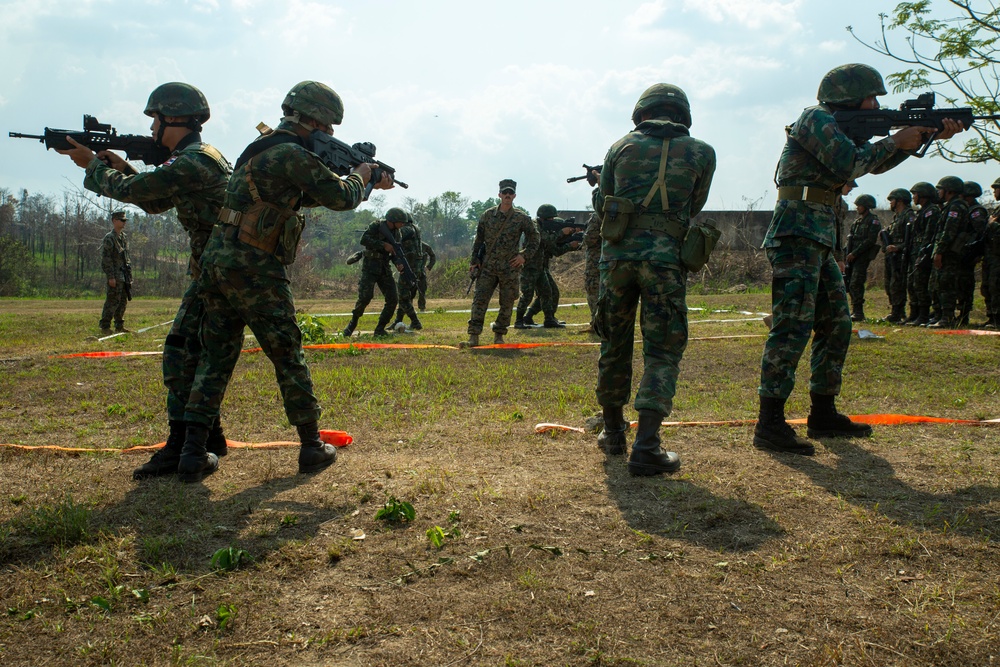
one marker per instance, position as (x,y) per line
(645,15)
(753,14)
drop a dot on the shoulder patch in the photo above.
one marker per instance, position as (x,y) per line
(952,214)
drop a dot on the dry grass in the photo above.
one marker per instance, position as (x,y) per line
(881,552)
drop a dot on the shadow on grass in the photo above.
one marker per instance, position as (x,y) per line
(866,480)
(677,508)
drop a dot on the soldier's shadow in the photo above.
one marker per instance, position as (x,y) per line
(680,509)
(866,480)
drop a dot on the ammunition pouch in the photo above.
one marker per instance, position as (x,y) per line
(617,216)
(267,227)
(699,241)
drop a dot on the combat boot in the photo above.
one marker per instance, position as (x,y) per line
(859,314)
(825,422)
(106,331)
(349,329)
(380,331)
(415,324)
(216,442)
(943,322)
(914,315)
(314,455)
(933,318)
(528,321)
(553,323)
(648,458)
(519,320)
(612,441)
(924,316)
(472,342)
(164,460)
(196,463)
(773,432)
(121,329)
(498,339)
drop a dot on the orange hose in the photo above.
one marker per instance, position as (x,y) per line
(335,438)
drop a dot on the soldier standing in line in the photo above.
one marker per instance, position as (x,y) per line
(922,240)
(978,219)
(842,211)
(427,262)
(497,238)
(413,249)
(952,235)
(862,247)
(244,280)
(896,251)
(376,269)
(118,271)
(193,181)
(807,288)
(989,267)
(654,180)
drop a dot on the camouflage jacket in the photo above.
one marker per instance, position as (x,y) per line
(864,237)
(900,221)
(193,180)
(376,258)
(501,234)
(925,226)
(413,246)
(288,176)
(429,258)
(953,230)
(979,217)
(114,255)
(630,171)
(548,247)
(819,155)
(592,235)
(991,246)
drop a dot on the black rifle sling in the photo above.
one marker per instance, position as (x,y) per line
(268,141)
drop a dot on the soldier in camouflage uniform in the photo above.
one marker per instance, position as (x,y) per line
(592,243)
(536,279)
(498,234)
(427,262)
(952,235)
(413,248)
(979,217)
(376,269)
(896,251)
(193,181)
(807,288)
(991,266)
(244,281)
(663,174)
(842,212)
(919,264)
(862,247)
(116,266)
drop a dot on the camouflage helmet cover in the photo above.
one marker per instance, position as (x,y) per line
(546,211)
(900,194)
(996,184)
(663,95)
(972,189)
(924,189)
(178,99)
(316,100)
(849,84)
(396,214)
(952,184)
(866,201)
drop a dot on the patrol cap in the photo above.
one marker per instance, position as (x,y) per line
(508,184)
(952,184)
(546,211)
(396,214)
(119,215)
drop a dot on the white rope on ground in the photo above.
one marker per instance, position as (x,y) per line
(143,330)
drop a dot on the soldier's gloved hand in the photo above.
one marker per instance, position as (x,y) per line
(80,154)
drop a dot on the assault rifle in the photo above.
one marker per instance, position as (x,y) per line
(478,257)
(341,158)
(553,225)
(128,282)
(863,124)
(98,136)
(586,174)
(400,256)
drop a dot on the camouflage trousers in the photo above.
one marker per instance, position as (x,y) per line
(966,286)
(948,284)
(807,298)
(918,283)
(181,351)
(535,281)
(895,281)
(422,289)
(991,284)
(381,276)
(859,276)
(663,321)
(485,285)
(233,299)
(406,293)
(592,278)
(115,302)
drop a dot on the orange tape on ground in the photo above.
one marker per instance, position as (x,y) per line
(103,355)
(967,332)
(877,420)
(335,438)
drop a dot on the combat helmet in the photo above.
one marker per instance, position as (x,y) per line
(996,184)
(396,214)
(951,184)
(924,189)
(900,194)
(546,211)
(178,99)
(867,201)
(316,100)
(972,189)
(663,95)
(850,84)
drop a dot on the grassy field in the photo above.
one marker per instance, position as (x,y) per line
(523,549)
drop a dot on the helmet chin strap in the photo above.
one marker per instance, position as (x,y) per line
(295,118)
(191,123)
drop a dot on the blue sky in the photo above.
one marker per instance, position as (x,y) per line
(456,95)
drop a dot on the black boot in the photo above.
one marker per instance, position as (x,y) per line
(415,324)
(349,329)
(825,422)
(923,318)
(858,315)
(914,315)
(519,320)
(553,323)
(314,455)
(773,432)
(647,456)
(164,461)
(216,442)
(196,462)
(612,439)
(380,327)
(528,321)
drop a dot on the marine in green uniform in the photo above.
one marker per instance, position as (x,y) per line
(117,268)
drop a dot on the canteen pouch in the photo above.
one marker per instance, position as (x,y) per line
(617,214)
(272,229)
(699,241)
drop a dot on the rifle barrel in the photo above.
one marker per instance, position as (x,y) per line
(18,135)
